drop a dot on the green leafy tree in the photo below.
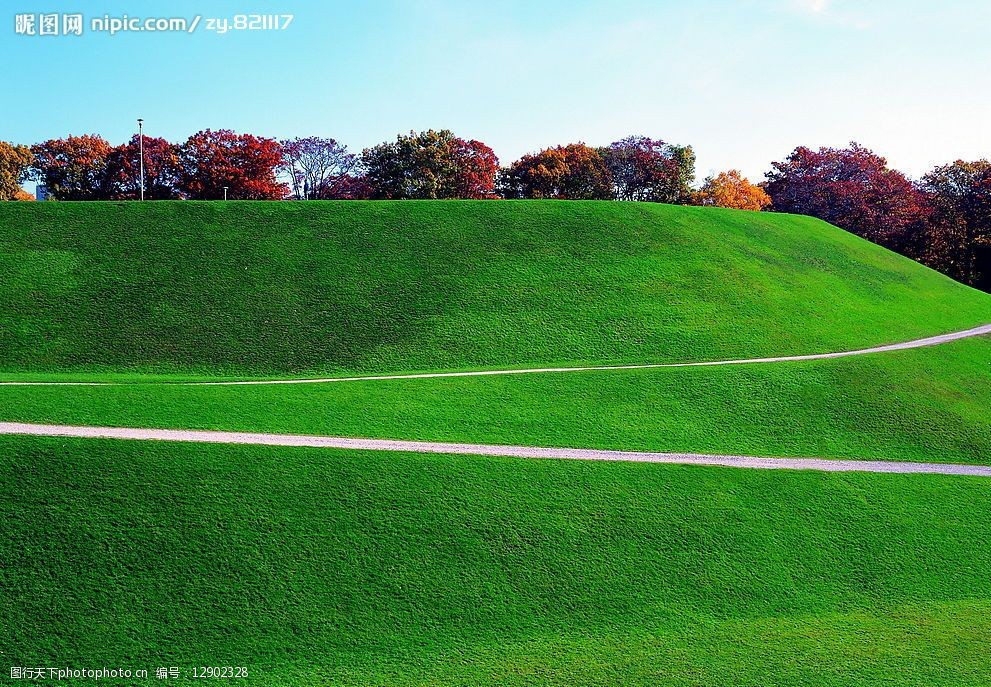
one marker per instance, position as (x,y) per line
(684,158)
(430,164)
(958,240)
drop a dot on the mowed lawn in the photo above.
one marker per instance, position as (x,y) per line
(322,567)
(327,567)
(931,404)
(269,289)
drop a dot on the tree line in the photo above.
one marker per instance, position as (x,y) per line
(942,220)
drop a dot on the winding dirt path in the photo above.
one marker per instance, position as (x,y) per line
(916,343)
(215,437)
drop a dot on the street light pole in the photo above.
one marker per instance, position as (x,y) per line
(141,154)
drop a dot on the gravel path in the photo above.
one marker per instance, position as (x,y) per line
(917,343)
(214,437)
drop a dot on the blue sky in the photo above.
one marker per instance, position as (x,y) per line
(743,81)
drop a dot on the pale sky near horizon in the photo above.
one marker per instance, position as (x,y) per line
(743,82)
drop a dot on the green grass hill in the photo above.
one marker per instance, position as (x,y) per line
(328,568)
(259,289)
(320,567)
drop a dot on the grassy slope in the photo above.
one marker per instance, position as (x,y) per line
(324,567)
(926,404)
(254,288)
(271,288)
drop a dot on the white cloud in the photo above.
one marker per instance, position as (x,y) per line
(826,12)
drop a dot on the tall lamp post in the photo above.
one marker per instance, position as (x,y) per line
(141,154)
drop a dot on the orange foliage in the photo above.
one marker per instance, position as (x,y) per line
(21,194)
(14,163)
(732,190)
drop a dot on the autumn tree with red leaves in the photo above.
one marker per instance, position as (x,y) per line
(477,166)
(349,187)
(852,188)
(245,164)
(646,169)
(161,165)
(73,168)
(430,164)
(572,172)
